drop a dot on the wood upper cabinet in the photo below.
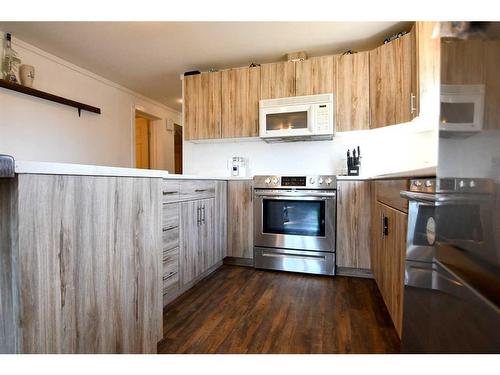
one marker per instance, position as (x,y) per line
(202,106)
(393,82)
(277,80)
(240,102)
(353,225)
(352,94)
(240,219)
(462,61)
(314,76)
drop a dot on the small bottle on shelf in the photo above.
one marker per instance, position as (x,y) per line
(10,61)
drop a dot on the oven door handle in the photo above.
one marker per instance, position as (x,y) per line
(297,198)
(269,195)
(443,199)
(419,197)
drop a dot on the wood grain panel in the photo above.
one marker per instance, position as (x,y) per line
(90,256)
(240,102)
(462,61)
(492,89)
(190,260)
(202,106)
(170,190)
(277,80)
(353,224)
(314,76)
(208,251)
(391,82)
(393,264)
(10,328)
(170,264)
(170,215)
(196,189)
(388,192)
(240,219)
(170,238)
(352,94)
(221,219)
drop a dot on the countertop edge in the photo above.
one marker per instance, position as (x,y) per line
(68,169)
(414,173)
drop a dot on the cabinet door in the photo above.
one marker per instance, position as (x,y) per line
(240,102)
(221,220)
(392,263)
(202,106)
(392,82)
(352,94)
(206,234)
(277,80)
(191,261)
(353,224)
(462,61)
(314,76)
(240,219)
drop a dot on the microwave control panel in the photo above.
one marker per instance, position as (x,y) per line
(323,115)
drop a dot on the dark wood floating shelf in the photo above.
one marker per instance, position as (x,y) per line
(45,95)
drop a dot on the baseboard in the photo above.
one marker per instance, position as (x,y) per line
(235,261)
(354,272)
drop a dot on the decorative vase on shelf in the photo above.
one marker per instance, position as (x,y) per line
(27,75)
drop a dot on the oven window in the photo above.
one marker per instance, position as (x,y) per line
(457,113)
(286,121)
(301,218)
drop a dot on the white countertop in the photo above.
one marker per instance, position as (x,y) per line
(414,173)
(36,167)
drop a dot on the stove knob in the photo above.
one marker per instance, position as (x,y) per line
(275,180)
(428,183)
(267,180)
(320,180)
(461,184)
(417,183)
(312,181)
(472,184)
(328,180)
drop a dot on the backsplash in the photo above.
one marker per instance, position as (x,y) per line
(390,149)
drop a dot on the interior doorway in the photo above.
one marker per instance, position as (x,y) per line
(178,148)
(142,142)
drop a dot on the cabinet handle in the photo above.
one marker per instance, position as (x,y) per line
(200,190)
(169,192)
(203,216)
(385,226)
(413,109)
(198,216)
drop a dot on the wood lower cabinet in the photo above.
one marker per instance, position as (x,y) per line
(240,102)
(277,80)
(240,219)
(202,106)
(314,76)
(388,256)
(393,91)
(352,94)
(353,226)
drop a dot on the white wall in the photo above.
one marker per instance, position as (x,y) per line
(392,149)
(35,129)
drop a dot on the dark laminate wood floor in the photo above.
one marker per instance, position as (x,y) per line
(243,310)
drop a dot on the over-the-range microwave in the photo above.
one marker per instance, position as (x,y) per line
(462,108)
(297,118)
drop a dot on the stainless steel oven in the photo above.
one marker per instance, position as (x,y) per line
(294,223)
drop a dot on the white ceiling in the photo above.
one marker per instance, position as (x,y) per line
(148,57)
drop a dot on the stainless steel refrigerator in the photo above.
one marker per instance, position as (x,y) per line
(452,267)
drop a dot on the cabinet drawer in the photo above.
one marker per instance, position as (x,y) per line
(170,281)
(197,189)
(170,190)
(387,192)
(170,215)
(170,261)
(170,238)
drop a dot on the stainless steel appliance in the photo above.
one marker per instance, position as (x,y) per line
(294,223)
(452,291)
(297,118)
(462,108)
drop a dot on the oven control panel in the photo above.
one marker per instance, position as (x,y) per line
(295,182)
